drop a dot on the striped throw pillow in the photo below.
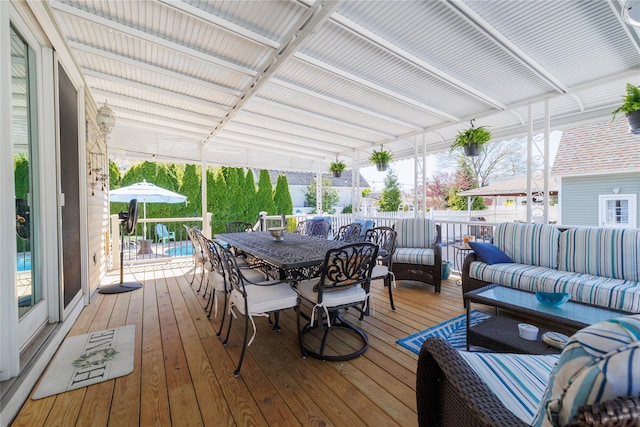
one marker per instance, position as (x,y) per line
(532,244)
(600,362)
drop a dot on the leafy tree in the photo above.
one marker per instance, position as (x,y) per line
(114,175)
(264,195)
(282,196)
(464,180)
(390,199)
(21,175)
(438,190)
(329,195)
(241,197)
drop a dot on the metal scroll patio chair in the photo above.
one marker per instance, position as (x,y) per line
(252,299)
(344,283)
(349,233)
(312,228)
(199,253)
(238,227)
(385,239)
(217,276)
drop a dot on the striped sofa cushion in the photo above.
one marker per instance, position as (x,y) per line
(518,380)
(415,233)
(600,362)
(598,251)
(533,244)
(418,256)
(605,292)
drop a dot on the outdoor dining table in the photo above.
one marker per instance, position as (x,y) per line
(295,257)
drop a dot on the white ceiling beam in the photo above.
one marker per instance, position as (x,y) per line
(286,138)
(153,119)
(153,68)
(150,38)
(143,125)
(210,18)
(267,144)
(467,13)
(404,55)
(154,89)
(316,116)
(380,89)
(256,147)
(322,134)
(166,109)
(347,105)
(305,26)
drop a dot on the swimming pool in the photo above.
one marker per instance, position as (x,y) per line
(182,250)
(24,261)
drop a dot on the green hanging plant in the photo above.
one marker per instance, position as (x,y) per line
(380,158)
(471,139)
(630,102)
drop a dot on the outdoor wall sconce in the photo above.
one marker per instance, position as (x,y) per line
(106,119)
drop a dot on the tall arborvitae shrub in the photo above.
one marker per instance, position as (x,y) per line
(218,200)
(282,196)
(264,196)
(191,188)
(250,191)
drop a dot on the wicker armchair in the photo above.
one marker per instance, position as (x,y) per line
(450,393)
(418,254)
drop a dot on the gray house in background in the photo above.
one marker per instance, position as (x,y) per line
(598,171)
(299,183)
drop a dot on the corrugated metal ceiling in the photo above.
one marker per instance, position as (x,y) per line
(288,84)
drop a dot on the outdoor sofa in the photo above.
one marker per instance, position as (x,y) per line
(595,381)
(418,254)
(595,265)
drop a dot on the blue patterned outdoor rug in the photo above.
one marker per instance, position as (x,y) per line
(453,330)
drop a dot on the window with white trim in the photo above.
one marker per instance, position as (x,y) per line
(618,210)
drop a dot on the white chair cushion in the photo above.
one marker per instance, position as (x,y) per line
(331,298)
(252,275)
(266,298)
(379,271)
(216,280)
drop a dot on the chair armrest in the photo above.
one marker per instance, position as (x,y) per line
(450,393)
(616,412)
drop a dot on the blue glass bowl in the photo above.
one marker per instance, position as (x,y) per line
(552,299)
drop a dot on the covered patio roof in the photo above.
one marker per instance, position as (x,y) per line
(294,84)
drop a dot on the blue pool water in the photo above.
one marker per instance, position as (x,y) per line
(185,250)
(24,261)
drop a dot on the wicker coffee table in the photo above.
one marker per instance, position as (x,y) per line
(500,333)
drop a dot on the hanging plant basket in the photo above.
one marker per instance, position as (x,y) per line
(634,122)
(337,167)
(471,150)
(380,158)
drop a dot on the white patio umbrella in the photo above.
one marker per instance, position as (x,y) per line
(145,192)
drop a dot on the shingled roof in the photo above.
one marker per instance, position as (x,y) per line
(305,178)
(598,148)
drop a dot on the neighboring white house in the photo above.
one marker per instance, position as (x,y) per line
(299,184)
(598,171)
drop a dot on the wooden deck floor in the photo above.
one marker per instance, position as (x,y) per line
(183,375)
